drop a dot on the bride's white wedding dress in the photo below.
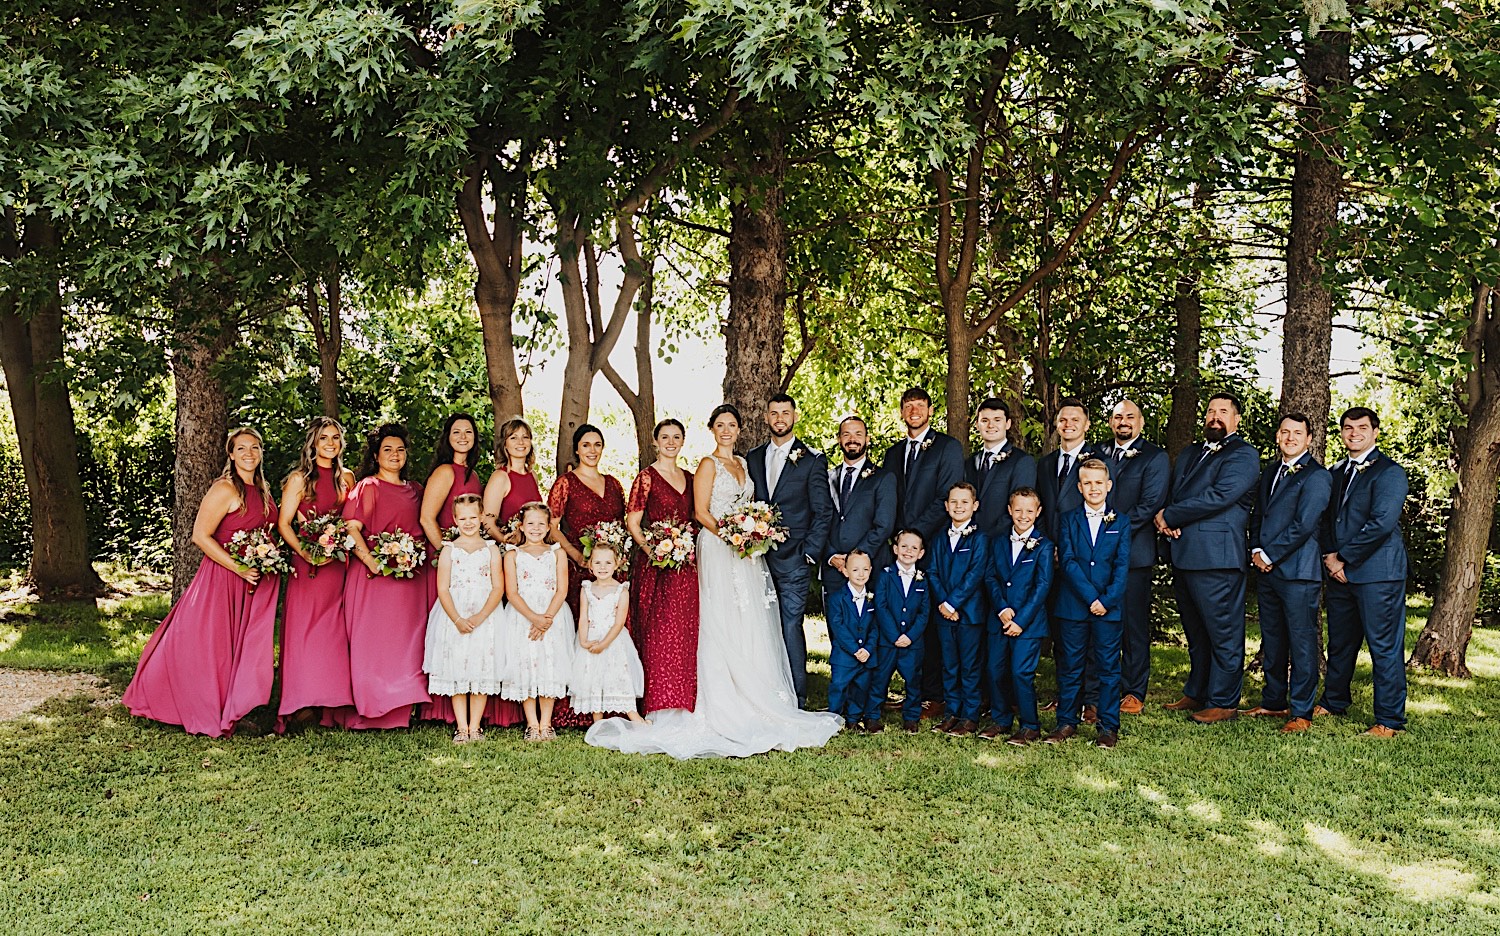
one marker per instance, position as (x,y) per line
(746,703)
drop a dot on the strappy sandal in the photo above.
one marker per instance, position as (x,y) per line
(548,734)
(476,734)
(460,737)
(532,734)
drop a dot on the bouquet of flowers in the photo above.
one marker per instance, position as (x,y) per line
(256,549)
(669,545)
(610,533)
(753,530)
(324,537)
(397,554)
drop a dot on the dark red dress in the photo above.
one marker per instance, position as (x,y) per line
(664,602)
(314,641)
(523,490)
(464,482)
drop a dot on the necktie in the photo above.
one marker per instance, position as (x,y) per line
(845,486)
(1349,473)
(1119,453)
(1280,474)
(1064,465)
(911,455)
(778,460)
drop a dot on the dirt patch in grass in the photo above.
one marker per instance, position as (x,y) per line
(23,690)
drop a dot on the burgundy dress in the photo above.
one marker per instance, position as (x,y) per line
(577,507)
(523,490)
(314,641)
(472,484)
(386,617)
(664,612)
(213,658)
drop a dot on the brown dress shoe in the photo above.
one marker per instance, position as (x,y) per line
(933,710)
(1023,737)
(911,727)
(1184,704)
(874,726)
(1260,711)
(1295,725)
(1382,731)
(993,732)
(1211,716)
(1091,714)
(1130,705)
(1106,740)
(893,703)
(963,729)
(1050,705)
(1062,734)
(946,725)
(1319,711)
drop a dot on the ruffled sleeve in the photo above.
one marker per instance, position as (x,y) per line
(360,503)
(557,498)
(640,492)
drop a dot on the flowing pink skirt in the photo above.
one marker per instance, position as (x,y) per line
(314,640)
(387,625)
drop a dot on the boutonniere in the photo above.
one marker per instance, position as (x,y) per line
(1001,455)
(1131,453)
(926,444)
(1362,467)
(1293,469)
(966,530)
(1108,518)
(1212,447)
(794,454)
(866,473)
(866,596)
(918,577)
(1031,543)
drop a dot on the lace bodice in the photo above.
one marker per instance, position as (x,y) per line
(601,609)
(728,493)
(468,570)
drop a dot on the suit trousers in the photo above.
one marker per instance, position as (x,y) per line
(1212,605)
(1289,630)
(792,579)
(1135,639)
(1076,641)
(907,661)
(960,647)
(1012,677)
(1372,613)
(849,684)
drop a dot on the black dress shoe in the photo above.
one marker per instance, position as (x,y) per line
(854,726)
(911,727)
(1106,739)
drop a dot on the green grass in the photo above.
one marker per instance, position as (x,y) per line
(113,825)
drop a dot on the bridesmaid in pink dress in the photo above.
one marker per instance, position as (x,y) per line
(314,642)
(664,616)
(580,498)
(386,616)
(212,660)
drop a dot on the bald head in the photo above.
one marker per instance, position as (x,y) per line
(1126,421)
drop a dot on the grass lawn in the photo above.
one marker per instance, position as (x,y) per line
(113,825)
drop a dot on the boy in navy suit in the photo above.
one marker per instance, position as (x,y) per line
(1094,552)
(1019,580)
(851,631)
(901,611)
(960,563)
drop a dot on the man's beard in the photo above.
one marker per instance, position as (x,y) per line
(854,452)
(1124,435)
(1215,433)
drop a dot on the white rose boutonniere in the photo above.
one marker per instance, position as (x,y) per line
(1362,467)
(926,444)
(966,530)
(918,577)
(1031,543)
(1131,452)
(866,473)
(794,454)
(1210,448)
(1108,518)
(867,596)
(1293,469)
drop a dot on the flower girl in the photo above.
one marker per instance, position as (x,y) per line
(607,676)
(539,642)
(463,652)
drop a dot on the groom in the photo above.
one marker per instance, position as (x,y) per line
(795,478)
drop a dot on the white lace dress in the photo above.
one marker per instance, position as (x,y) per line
(612,679)
(746,702)
(457,663)
(537,667)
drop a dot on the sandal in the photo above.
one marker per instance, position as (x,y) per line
(476,734)
(460,737)
(547,734)
(532,734)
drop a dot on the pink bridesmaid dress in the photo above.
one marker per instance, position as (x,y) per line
(314,641)
(212,660)
(385,616)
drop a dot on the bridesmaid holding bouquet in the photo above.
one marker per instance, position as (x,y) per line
(212,659)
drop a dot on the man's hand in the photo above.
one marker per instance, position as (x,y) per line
(862,655)
(1012,629)
(1335,567)
(1097,609)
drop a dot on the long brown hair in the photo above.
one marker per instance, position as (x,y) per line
(307,464)
(508,429)
(260,469)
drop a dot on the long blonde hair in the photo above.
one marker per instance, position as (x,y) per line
(307,464)
(508,429)
(260,470)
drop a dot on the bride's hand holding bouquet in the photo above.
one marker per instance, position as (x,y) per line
(752,529)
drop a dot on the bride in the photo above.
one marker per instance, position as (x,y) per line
(746,702)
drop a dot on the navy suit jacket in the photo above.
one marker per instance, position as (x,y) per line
(1210,503)
(866,522)
(1022,586)
(898,613)
(1285,525)
(1060,495)
(1363,522)
(920,497)
(1017,469)
(958,575)
(1092,571)
(802,494)
(1141,483)
(848,629)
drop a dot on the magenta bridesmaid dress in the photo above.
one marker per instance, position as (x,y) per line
(212,660)
(314,641)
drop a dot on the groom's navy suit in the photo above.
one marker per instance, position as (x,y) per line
(864,520)
(1284,527)
(1362,526)
(802,495)
(959,574)
(1210,503)
(1140,489)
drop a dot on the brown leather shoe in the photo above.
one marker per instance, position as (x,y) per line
(1382,731)
(963,729)
(1091,714)
(1296,725)
(1212,716)
(893,703)
(1260,711)
(874,726)
(1184,704)
(1023,737)
(946,725)
(1106,740)
(1060,735)
(911,727)
(1319,711)
(1130,705)
(1050,705)
(933,710)
(993,732)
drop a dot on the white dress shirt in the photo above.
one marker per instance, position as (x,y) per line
(1018,540)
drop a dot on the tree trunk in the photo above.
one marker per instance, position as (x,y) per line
(31,350)
(201,424)
(329,337)
(498,261)
(1444,642)
(755,333)
(578,371)
(1182,421)
(1307,330)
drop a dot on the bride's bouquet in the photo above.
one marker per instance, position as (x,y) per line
(669,544)
(609,533)
(397,554)
(753,530)
(256,549)
(326,538)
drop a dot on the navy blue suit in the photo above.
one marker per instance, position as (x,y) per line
(1284,526)
(866,522)
(1363,526)
(1091,569)
(1141,483)
(1022,585)
(1060,495)
(802,494)
(958,579)
(994,479)
(851,629)
(1212,492)
(900,610)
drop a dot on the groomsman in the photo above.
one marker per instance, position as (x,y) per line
(1290,503)
(1141,473)
(926,464)
(998,468)
(1205,522)
(1057,472)
(1366,562)
(864,504)
(795,478)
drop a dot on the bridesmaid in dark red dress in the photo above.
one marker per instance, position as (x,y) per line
(664,613)
(213,660)
(314,643)
(582,497)
(386,616)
